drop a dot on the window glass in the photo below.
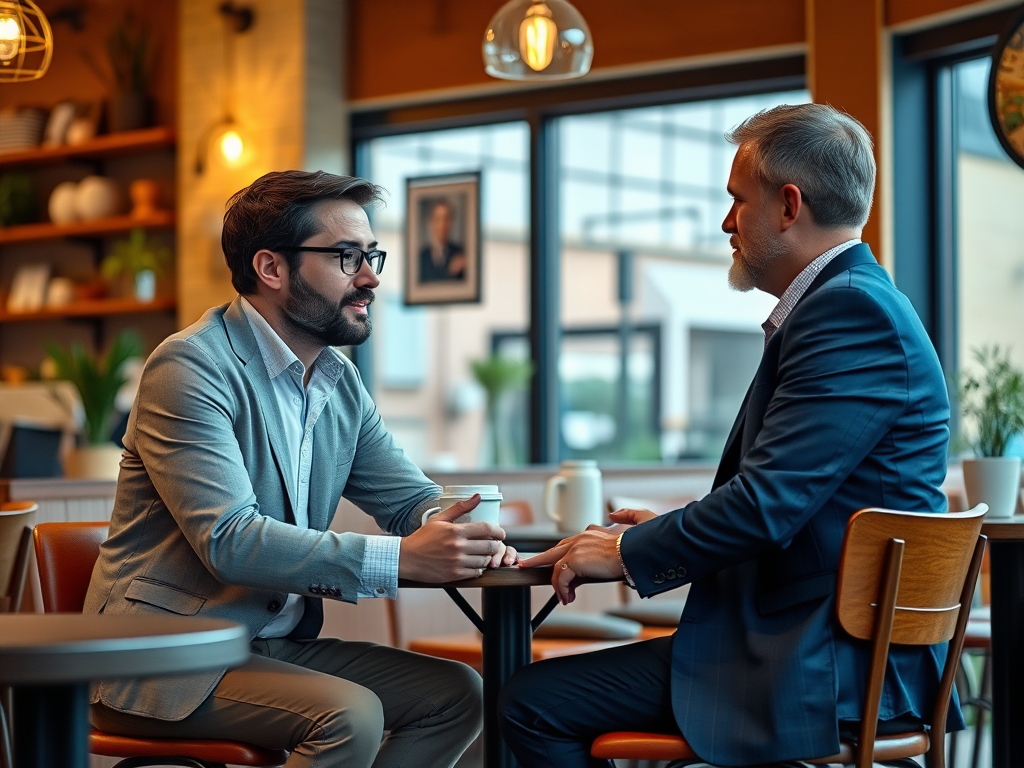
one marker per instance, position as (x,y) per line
(424,384)
(990,228)
(644,265)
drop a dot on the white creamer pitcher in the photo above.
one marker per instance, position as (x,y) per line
(573,498)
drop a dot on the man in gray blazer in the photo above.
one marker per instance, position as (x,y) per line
(247,429)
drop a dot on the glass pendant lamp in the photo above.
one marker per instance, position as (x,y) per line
(537,40)
(26,42)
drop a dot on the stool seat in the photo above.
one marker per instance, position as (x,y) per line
(978,634)
(204,750)
(633,745)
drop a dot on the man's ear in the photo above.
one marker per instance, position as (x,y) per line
(792,205)
(271,269)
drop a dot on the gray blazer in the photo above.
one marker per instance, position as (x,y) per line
(203,520)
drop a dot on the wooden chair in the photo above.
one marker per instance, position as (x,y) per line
(15,545)
(931,562)
(66,553)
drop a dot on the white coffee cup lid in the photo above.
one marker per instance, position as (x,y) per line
(487,492)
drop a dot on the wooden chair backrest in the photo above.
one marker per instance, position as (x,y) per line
(908,578)
(515,512)
(66,553)
(15,518)
(936,557)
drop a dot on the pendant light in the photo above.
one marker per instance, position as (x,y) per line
(26,42)
(537,40)
(226,135)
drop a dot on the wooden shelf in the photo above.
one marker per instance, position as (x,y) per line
(116,225)
(96,308)
(107,145)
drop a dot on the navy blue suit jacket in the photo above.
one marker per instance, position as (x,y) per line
(848,409)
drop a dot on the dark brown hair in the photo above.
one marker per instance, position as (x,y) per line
(276,210)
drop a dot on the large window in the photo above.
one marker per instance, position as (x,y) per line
(655,351)
(642,202)
(422,377)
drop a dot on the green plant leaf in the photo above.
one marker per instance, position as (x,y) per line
(991,401)
(96,379)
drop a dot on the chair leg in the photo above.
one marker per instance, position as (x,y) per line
(6,755)
(982,705)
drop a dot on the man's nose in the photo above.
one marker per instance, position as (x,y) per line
(366,277)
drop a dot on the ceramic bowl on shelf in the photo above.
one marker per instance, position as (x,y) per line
(97,197)
(61,205)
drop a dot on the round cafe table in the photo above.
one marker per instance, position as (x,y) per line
(49,660)
(507,637)
(1006,554)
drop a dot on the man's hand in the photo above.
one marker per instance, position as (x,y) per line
(442,550)
(591,553)
(631,517)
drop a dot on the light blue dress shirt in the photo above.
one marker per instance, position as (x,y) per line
(300,407)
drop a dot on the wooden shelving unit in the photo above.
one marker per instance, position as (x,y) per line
(108,145)
(116,225)
(92,309)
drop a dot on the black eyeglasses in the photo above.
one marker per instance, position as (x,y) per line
(351,258)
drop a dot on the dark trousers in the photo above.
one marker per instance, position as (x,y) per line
(552,710)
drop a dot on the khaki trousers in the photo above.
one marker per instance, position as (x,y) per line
(330,702)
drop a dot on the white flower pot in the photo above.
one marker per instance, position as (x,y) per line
(94,462)
(994,481)
(145,285)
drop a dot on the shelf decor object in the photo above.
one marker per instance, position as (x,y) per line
(127,74)
(537,40)
(26,41)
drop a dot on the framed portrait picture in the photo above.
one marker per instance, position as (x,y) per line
(1006,90)
(442,239)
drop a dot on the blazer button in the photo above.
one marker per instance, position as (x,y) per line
(658,578)
(335,591)
(681,572)
(670,574)
(273,606)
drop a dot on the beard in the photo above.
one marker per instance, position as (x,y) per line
(760,249)
(313,316)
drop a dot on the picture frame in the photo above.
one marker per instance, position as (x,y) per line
(1006,90)
(442,239)
(28,288)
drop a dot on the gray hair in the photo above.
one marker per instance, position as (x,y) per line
(824,152)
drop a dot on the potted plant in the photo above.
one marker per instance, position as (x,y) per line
(127,74)
(97,380)
(140,257)
(993,402)
(498,376)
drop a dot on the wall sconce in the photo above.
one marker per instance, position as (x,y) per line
(26,41)
(226,135)
(537,40)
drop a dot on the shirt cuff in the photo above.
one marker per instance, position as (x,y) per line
(379,575)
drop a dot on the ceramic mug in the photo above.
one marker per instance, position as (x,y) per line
(485,512)
(573,498)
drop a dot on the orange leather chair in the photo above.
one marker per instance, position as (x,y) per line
(66,553)
(943,556)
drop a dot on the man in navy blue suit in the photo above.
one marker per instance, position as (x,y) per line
(848,409)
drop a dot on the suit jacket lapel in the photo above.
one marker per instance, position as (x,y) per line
(244,343)
(852,257)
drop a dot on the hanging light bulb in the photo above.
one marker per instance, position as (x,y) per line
(10,37)
(231,147)
(537,40)
(26,42)
(537,35)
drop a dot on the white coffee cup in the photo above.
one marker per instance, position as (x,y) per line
(484,512)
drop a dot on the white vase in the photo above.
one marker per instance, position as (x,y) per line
(94,462)
(994,481)
(97,197)
(61,205)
